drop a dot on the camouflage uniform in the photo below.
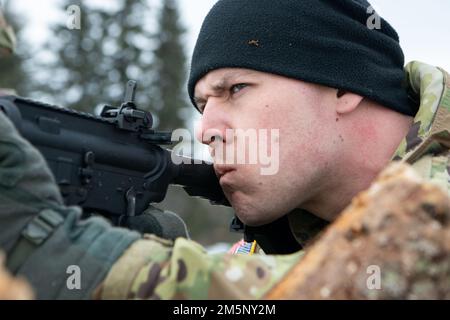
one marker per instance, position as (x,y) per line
(184,271)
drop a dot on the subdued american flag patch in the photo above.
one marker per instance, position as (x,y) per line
(243,247)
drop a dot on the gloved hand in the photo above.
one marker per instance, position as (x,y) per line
(164,224)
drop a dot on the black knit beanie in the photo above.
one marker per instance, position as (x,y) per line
(326,42)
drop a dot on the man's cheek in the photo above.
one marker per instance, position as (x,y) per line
(269,151)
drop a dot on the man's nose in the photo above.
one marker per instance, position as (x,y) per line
(213,124)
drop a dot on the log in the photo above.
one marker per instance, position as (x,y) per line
(392,242)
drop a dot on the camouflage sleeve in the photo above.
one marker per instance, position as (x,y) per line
(7,37)
(154,268)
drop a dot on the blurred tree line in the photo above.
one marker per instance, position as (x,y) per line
(88,67)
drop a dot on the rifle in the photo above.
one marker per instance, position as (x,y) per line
(112,164)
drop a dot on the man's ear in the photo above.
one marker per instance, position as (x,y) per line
(347,102)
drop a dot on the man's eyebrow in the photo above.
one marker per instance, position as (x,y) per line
(218,87)
(221,84)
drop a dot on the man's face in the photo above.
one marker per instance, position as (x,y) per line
(232,99)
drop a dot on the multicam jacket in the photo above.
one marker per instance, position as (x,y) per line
(158,269)
(7,37)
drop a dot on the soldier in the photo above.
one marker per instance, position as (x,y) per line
(345,108)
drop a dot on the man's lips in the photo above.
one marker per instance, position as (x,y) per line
(222,170)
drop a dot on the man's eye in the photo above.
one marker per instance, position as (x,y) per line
(237,87)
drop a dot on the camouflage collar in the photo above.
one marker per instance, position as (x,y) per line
(7,39)
(430,132)
(305,225)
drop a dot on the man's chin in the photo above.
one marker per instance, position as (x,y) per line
(248,211)
(252,217)
(253,220)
